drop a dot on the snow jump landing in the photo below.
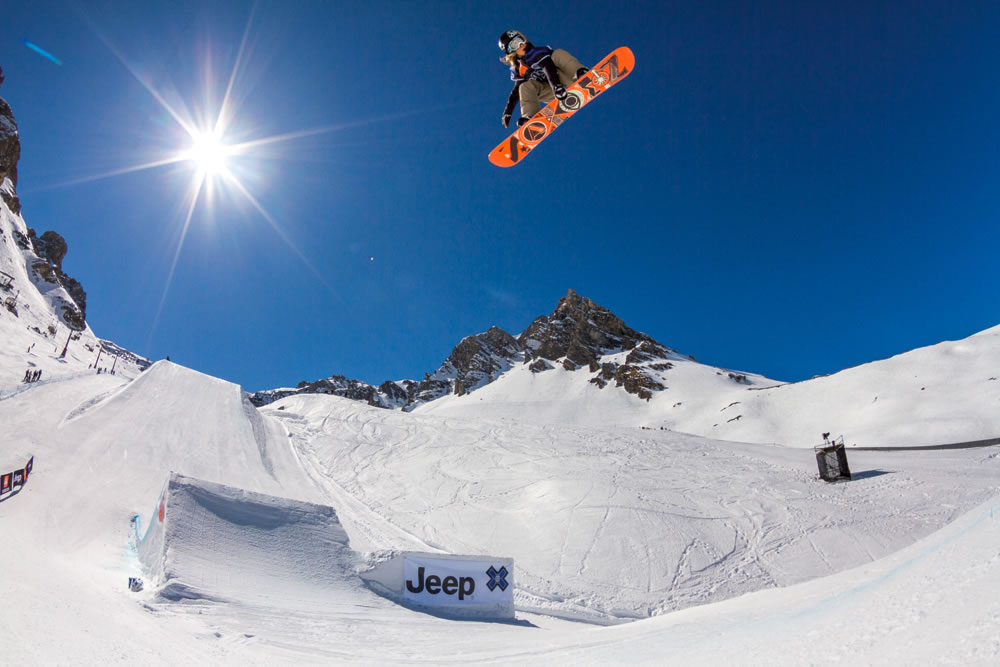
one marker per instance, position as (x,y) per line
(213,543)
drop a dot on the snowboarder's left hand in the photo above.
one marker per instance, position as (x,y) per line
(506,118)
(559,91)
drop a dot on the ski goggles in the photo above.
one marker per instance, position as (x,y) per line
(514,44)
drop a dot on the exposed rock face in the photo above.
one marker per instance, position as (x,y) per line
(115,350)
(396,392)
(10,153)
(336,385)
(579,330)
(580,333)
(479,359)
(52,248)
(475,361)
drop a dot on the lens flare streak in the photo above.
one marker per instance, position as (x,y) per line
(42,52)
(195,194)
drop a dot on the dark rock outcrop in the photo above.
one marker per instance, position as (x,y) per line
(580,333)
(52,248)
(336,385)
(475,361)
(10,153)
(579,330)
(114,350)
(479,359)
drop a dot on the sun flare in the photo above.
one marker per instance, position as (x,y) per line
(217,166)
(208,153)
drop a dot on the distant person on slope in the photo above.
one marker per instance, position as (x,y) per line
(540,74)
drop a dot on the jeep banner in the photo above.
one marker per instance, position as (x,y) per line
(458,582)
(9,480)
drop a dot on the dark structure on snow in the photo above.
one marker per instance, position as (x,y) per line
(832,461)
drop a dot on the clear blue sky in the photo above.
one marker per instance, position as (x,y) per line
(788,188)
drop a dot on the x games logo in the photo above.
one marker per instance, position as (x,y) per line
(498,578)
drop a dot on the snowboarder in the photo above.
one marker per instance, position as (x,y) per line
(539,73)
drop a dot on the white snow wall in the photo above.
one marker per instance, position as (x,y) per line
(211,541)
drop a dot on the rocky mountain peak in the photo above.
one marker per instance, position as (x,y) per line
(579,331)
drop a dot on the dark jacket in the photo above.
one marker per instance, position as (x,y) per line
(536,64)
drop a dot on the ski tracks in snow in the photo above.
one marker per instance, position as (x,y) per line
(608,523)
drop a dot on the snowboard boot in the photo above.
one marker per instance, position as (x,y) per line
(522,120)
(580,72)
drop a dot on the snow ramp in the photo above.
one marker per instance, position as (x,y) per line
(208,541)
(125,443)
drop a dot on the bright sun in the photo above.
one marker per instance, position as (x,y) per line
(208,153)
(212,159)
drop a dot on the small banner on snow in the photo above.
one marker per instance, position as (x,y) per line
(17,478)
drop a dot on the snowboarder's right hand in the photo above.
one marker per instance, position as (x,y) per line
(506,118)
(559,91)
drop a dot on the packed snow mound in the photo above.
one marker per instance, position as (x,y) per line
(108,444)
(211,541)
(172,418)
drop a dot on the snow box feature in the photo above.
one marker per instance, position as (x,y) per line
(480,587)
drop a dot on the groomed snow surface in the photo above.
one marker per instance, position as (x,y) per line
(718,552)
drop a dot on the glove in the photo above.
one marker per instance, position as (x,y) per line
(506,118)
(559,90)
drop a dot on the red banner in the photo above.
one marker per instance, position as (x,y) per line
(5,485)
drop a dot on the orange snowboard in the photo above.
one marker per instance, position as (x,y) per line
(612,69)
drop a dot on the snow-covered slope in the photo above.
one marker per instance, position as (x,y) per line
(603,523)
(945,393)
(33,325)
(694,520)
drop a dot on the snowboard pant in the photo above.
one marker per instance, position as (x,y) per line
(536,93)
